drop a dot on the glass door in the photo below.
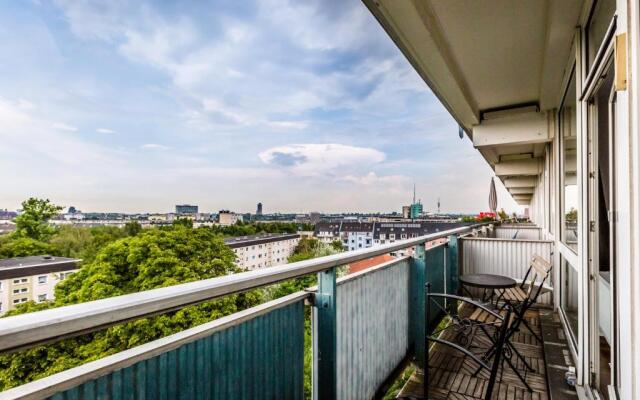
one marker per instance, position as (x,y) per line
(601,126)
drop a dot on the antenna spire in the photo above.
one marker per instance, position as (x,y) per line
(414,193)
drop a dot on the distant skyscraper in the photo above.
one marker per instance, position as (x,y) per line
(259,209)
(186,209)
(416,210)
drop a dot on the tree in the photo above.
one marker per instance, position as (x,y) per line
(572,215)
(33,221)
(23,246)
(185,222)
(154,258)
(132,228)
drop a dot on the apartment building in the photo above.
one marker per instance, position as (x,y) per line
(264,250)
(362,235)
(226,217)
(24,279)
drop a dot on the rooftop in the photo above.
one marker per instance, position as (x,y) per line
(32,265)
(240,241)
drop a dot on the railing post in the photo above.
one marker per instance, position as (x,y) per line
(452,265)
(417,302)
(325,360)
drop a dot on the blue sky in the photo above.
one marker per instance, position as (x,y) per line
(137,106)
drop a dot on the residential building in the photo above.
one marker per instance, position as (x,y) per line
(259,209)
(361,235)
(24,279)
(263,250)
(226,217)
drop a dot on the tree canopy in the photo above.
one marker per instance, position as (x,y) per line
(118,261)
(33,221)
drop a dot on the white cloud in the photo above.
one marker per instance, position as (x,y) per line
(289,124)
(105,130)
(61,126)
(372,179)
(154,146)
(312,159)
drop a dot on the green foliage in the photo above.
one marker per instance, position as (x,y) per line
(572,215)
(152,259)
(132,228)
(15,246)
(186,222)
(84,243)
(242,228)
(33,222)
(503,215)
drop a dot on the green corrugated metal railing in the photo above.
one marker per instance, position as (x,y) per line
(261,358)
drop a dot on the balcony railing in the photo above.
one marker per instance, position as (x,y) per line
(364,326)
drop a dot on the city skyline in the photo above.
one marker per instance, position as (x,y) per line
(138,107)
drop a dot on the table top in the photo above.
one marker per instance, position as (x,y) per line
(488,281)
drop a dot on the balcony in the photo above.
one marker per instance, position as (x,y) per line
(365,329)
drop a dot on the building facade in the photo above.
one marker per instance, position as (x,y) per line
(362,235)
(549,94)
(226,217)
(24,279)
(182,209)
(262,251)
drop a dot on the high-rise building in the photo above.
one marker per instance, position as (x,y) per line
(416,210)
(259,209)
(182,209)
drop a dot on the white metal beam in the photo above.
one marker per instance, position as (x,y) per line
(520,182)
(530,166)
(525,128)
(521,190)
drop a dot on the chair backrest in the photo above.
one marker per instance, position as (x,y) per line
(538,272)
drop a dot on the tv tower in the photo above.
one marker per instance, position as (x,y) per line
(414,193)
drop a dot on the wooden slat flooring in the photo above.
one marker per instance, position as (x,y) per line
(452,374)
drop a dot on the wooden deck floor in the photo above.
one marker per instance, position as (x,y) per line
(452,373)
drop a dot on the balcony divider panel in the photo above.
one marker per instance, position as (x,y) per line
(504,257)
(373,326)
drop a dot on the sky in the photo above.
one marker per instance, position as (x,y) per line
(136,106)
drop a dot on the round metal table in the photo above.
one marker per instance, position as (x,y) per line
(489,283)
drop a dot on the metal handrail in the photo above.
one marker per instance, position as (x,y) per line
(51,325)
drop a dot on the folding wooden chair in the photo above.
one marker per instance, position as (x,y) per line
(523,296)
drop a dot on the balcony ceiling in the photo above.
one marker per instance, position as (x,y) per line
(479,56)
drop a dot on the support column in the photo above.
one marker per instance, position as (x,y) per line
(325,361)
(417,303)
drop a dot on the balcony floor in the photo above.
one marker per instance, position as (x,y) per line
(451,372)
